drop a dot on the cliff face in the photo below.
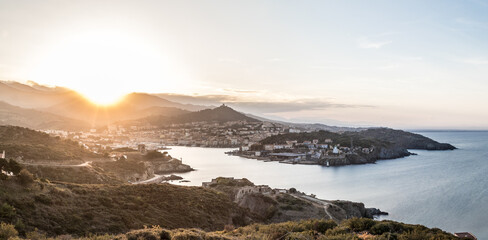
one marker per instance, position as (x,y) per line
(133,171)
(274,205)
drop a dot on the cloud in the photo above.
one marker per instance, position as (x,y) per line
(389,66)
(276,60)
(228,60)
(238,90)
(289,106)
(475,61)
(365,42)
(331,67)
(248,104)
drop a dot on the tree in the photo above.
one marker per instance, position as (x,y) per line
(3,167)
(14,167)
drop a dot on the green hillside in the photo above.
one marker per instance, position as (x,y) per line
(34,145)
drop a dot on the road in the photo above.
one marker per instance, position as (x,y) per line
(85,164)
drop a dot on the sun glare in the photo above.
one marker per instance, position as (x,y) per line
(102,66)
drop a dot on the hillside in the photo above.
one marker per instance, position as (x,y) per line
(33,145)
(403,139)
(17,116)
(40,208)
(220,114)
(61,108)
(352,229)
(33,95)
(61,208)
(131,107)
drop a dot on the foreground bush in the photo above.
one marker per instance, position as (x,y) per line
(7,231)
(302,230)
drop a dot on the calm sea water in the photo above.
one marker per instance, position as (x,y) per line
(445,189)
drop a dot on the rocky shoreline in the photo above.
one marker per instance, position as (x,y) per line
(334,149)
(280,205)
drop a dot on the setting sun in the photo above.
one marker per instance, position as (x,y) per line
(102,66)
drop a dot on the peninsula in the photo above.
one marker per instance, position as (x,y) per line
(337,149)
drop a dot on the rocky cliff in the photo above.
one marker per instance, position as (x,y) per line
(278,205)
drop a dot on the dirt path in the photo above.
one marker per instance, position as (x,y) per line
(85,164)
(319,202)
(156,179)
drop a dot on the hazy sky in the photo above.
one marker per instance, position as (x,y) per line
(406,64)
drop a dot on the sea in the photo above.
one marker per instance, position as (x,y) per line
(443,189)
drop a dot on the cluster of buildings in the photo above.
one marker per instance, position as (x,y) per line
(198,134)
(306,152)
(228,134)
(244,189)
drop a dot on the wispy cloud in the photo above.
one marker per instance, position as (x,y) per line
(389,66)
(249,104)
(365,42)
(276,59)
(474,61)
(228,60)
(291,106)
(232,90)
(331,67)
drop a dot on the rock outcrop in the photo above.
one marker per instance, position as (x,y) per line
(278,205)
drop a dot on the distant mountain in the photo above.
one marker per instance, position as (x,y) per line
(145,100)
(133,106)
(219,114)
(309,126)
(70,104)
(13,115)
(34,95)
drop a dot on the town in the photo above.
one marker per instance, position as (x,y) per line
(232,134)
(307,152)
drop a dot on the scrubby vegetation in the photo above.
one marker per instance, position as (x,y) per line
(308,229)
(33,145)
(60,208)
(342,139)
(81,175)
(34,209)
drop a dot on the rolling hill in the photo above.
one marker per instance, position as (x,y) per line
(17,116)
(61,108)
(33,145)
(219,114)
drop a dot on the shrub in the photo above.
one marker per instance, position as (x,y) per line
(323,225)
(360,224)
(385,227)
(36,235)
(164,235)
(7,231)
(187,235)
(7,211)
(141,235)
(340,237)
(153,155)
(25,177)
(14,167)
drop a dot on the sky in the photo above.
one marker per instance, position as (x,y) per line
(403,64)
